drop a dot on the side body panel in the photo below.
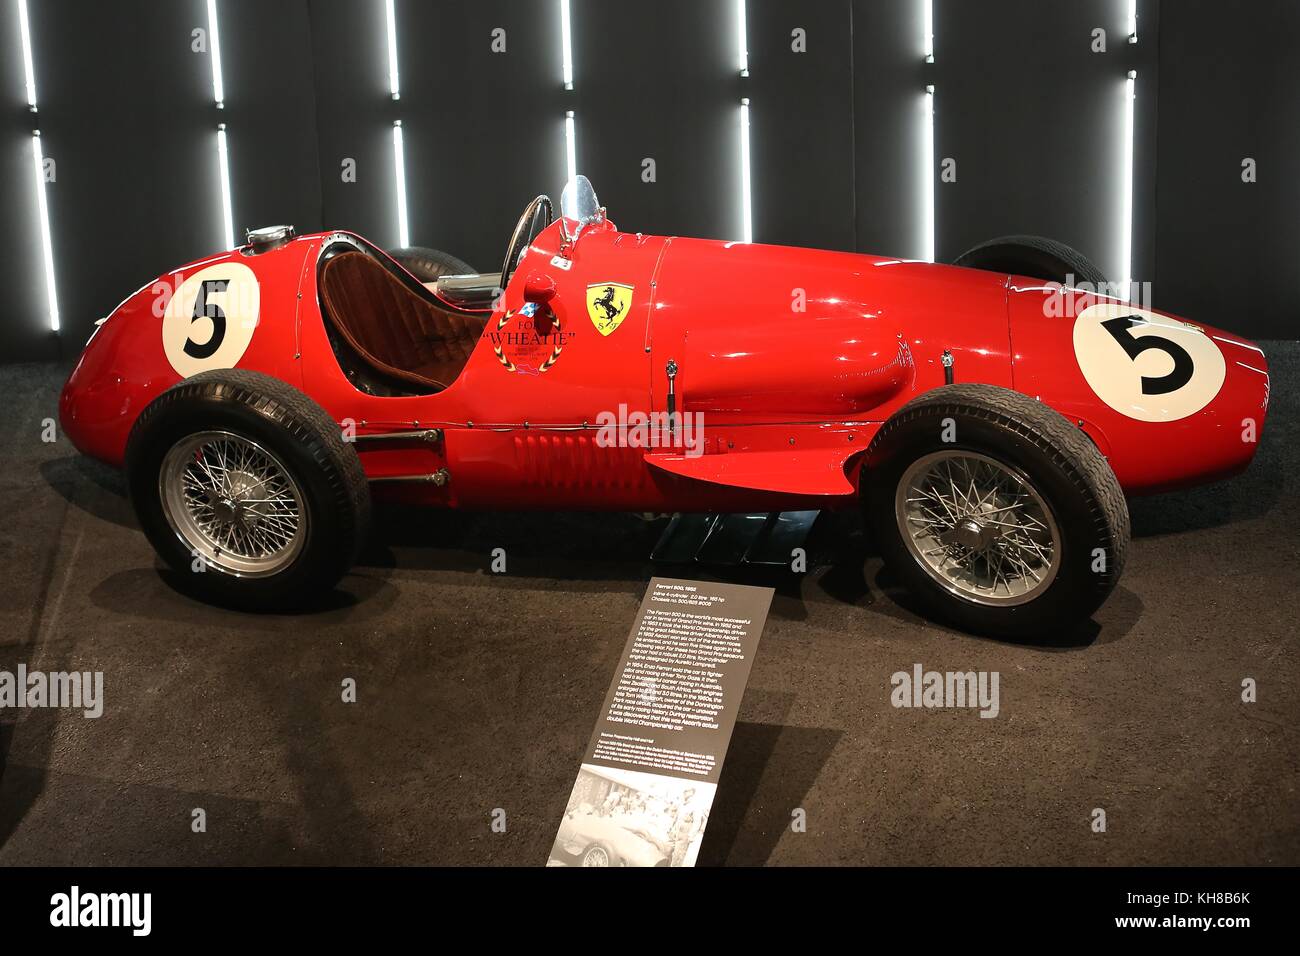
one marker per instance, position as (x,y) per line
(796,356)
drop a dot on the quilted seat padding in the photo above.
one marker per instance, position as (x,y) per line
(393,327)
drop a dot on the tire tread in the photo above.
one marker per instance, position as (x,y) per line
(1068,447)
(306,423)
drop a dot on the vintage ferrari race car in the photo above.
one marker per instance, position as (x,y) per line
(988,421)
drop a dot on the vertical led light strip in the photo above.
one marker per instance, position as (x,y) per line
(1132,21)
(746,191)
(746,203)
(1126,190)
(223,163)
(927,186)
(399,152)
(927,27)
(47,246)
(223,151)
(38,169)
(742,41)
(30,74)
(394,85)
(570,121)
(570,148)
(399,171)
(927,137)
(566,40)
(214,45)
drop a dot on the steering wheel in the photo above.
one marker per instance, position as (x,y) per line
(537,215)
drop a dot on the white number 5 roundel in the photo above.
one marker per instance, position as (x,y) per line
(1147,366)
(210,319)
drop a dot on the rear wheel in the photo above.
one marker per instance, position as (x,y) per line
(428,265)
(995,511)
(1036,257)
(245,487)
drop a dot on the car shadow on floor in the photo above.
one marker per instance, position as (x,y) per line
(161,595)
(1112,621)
(597,548)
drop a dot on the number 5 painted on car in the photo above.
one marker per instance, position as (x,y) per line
(209,321)
(1145,365)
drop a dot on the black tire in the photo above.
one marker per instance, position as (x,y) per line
(1035,257)
(430,264)
(1059,462)
(305,440)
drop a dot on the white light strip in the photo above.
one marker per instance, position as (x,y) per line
(570,147)
(47,247)
(566,37)
(927,185)
(399,169)
(1126,194)
(223,160)
(742,43)
(927,27)
(746,205)
(25,29)
(394,87)
(1132,21)
(214,47)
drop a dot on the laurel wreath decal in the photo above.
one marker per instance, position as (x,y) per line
(511,366)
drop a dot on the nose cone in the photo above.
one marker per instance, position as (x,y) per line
(1242,403)
(1170,402)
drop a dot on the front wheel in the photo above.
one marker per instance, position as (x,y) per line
(997,512)
(245,487)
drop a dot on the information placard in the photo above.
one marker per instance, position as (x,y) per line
(647,781)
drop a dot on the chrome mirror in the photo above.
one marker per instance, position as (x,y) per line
(579,203)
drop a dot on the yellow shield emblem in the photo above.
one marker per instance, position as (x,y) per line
(608,304)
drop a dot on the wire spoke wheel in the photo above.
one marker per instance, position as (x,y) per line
(233,503)
(978,527)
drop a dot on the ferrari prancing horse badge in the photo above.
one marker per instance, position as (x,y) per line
(608,304)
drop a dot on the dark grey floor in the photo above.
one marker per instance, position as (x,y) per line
(478,692)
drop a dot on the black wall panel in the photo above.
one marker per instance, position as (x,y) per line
(270,114)
(1227,250)
(801,123)
(660,81)
(889,81)
(126,113)
(1031,115)
(484,130)
(354,117)
(1035,122)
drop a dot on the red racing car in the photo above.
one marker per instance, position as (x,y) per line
(988,421)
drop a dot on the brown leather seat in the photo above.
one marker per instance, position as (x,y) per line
(393,327)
